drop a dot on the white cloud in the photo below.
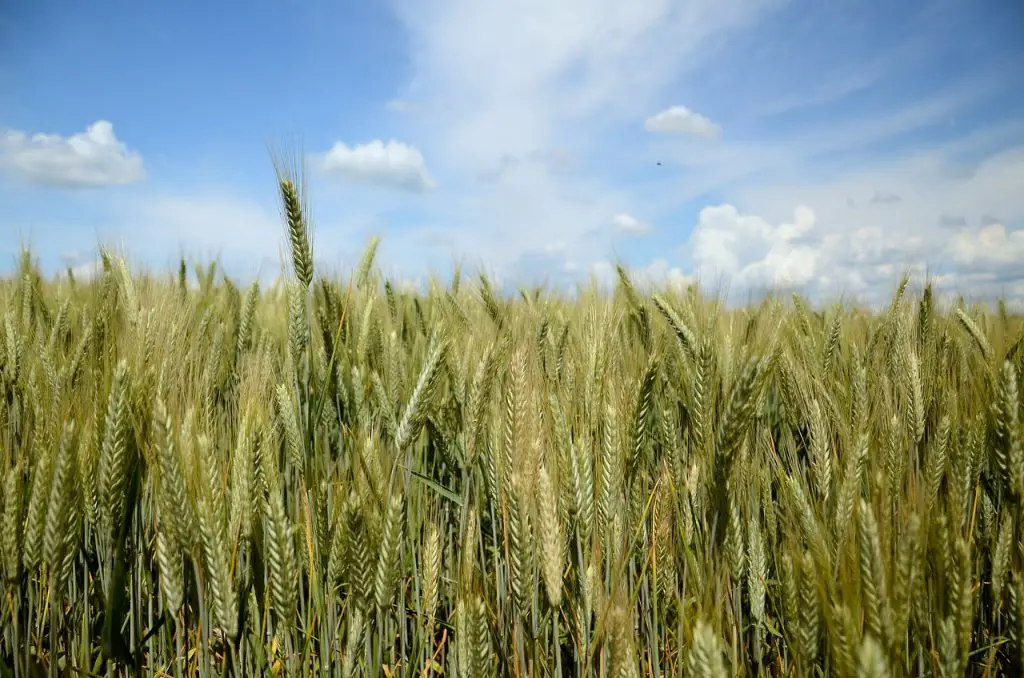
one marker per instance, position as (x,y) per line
(846,243)
(942,223)
(681,120)
(990,246)
(752,251)
(393,164)
(630,225)
(88,159)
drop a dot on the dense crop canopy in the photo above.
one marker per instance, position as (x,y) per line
(341,477)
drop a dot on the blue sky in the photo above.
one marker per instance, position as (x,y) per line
(825,147)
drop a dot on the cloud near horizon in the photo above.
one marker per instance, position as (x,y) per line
(752,252)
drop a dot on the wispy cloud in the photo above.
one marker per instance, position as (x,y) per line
(88,159)
(517,79)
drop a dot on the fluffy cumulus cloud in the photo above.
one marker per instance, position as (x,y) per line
(980,258)
(91,158)
(990,246)
(392,164)
(630,225)
(750,251)
(682,120)
(943,225)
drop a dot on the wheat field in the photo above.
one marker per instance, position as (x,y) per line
(341,478)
